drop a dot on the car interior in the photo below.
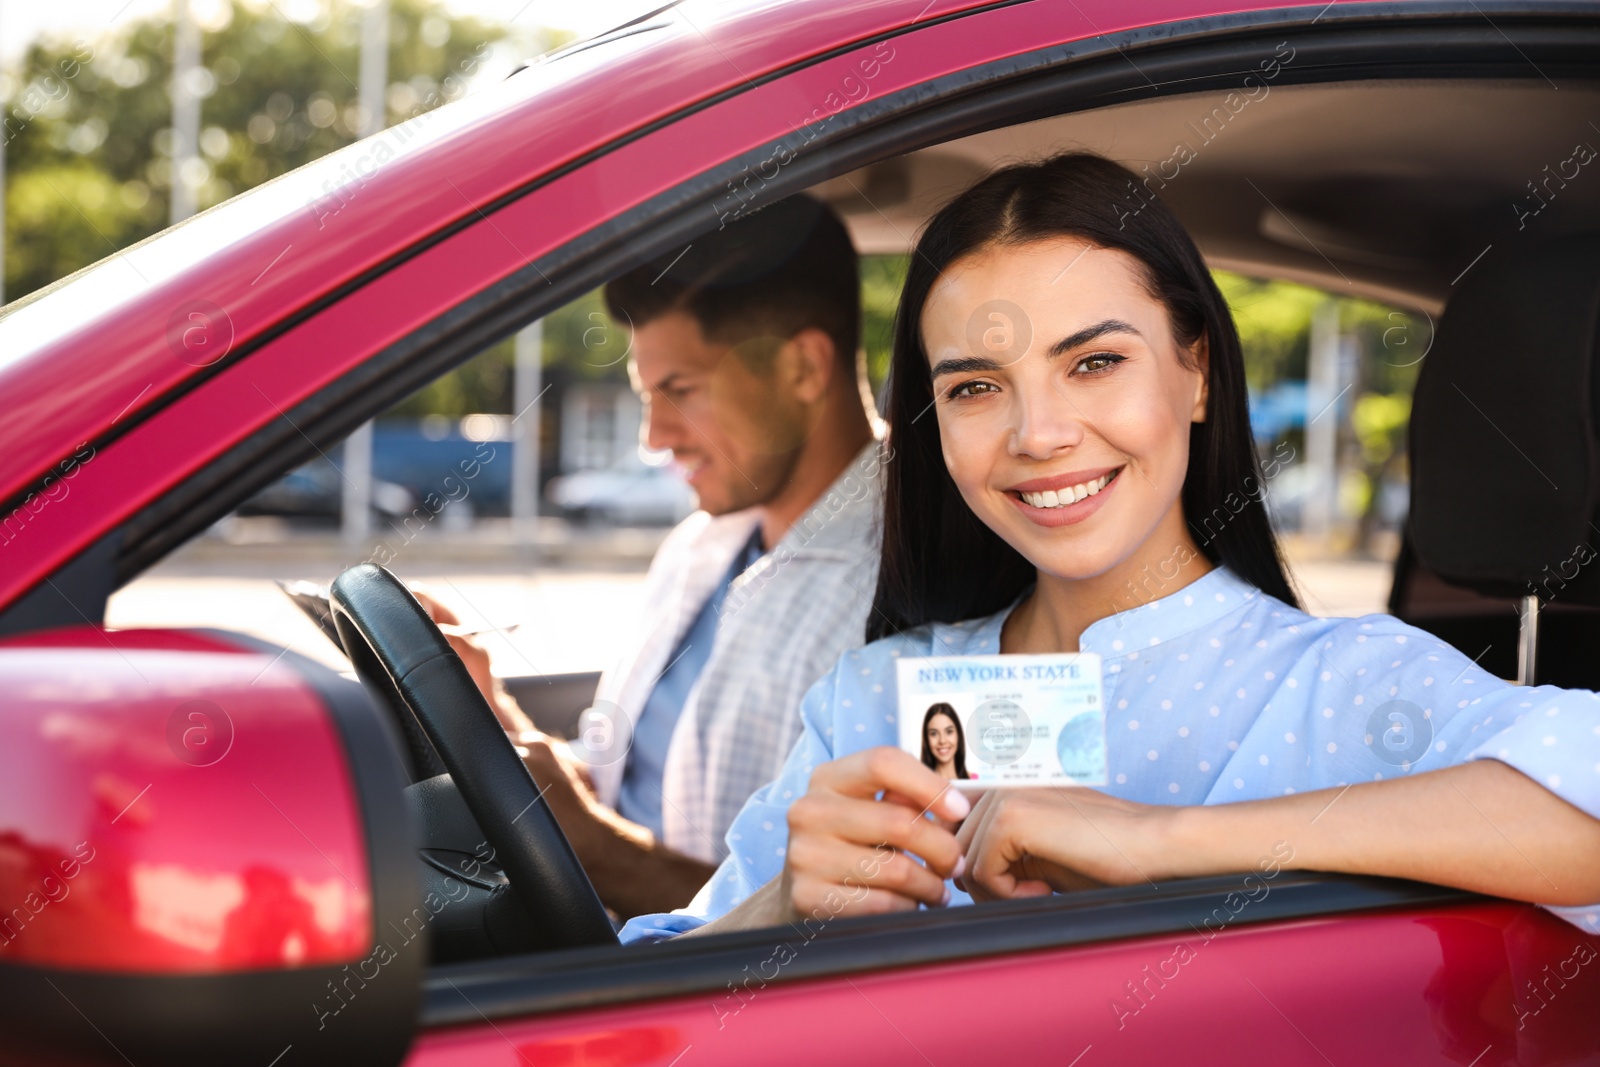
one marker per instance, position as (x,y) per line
(1389,189)
(1365,189)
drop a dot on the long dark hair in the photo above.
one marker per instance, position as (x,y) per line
(939,562)
(960,760)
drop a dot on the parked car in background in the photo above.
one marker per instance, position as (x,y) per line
(315,491)
(467,461)
(629,493)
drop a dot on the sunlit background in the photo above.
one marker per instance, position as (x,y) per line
(125,116)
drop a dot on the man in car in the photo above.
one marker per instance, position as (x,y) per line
(744,350)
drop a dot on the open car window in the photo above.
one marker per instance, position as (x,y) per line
(546,570)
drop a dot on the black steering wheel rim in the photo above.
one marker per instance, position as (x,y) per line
(399,652)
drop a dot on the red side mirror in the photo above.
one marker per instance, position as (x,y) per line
(203,856)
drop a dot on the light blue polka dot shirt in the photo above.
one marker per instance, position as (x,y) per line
(1214,693)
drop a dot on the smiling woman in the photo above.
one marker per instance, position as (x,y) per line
(1088,399)
(1106,321)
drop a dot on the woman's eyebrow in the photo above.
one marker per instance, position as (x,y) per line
(968,364)
(1091,333)
(965,365)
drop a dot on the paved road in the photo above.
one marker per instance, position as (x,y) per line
(567,617)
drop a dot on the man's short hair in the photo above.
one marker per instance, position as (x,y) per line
(776,272)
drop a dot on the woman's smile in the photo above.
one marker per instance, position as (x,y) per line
(1064,500)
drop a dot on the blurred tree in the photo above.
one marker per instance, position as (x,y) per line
(1274,321)
(580,344)
(1393,344)
(89,122)
(482,384)
(65,215)
(1379,421)
(1394,341)
(882,278)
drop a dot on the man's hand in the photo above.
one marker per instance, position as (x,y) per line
(633,873)
(541,750)
(476,659)
(631,870)
(588,824)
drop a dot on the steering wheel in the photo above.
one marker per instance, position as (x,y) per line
(399,652)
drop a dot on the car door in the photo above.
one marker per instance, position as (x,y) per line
(1288,968)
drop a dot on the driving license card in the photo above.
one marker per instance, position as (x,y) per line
(1005,720)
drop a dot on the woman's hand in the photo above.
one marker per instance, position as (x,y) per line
(851,852)
(1031,842)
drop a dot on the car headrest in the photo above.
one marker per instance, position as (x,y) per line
(1505,468)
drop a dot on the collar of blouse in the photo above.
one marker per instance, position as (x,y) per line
(1166,616)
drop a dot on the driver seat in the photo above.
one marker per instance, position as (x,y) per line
(1502,546)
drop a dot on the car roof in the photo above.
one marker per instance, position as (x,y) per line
(1360,189)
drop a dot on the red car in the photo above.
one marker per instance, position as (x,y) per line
(209,849)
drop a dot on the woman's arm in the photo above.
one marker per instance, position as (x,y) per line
(849,852)
(767,906)
(1480,826)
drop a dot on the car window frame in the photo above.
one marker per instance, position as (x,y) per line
(550,983)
